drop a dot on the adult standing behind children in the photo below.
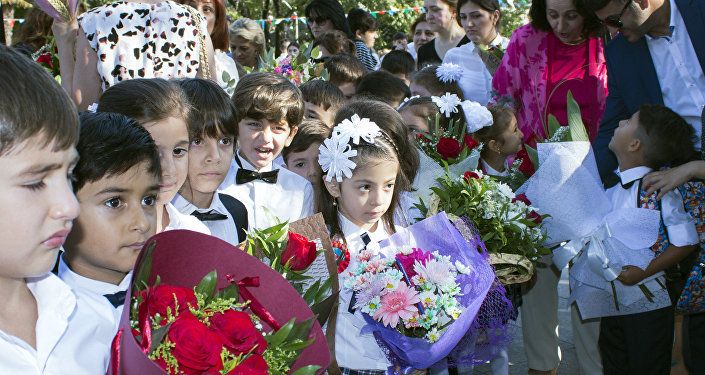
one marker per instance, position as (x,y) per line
(247,42)
(108,44)
(441,15)
(421,33)
(326,15)
(658,58)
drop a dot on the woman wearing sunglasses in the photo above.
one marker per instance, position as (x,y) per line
(326,15)
(559,51)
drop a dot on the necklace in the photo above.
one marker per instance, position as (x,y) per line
(580,41)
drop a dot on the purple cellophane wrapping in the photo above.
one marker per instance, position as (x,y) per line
(438,234)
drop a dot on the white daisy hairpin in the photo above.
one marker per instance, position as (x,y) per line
(477,116)
(449,72)
(447,104)
(335,153)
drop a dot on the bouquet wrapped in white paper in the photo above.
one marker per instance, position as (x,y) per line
(600,240)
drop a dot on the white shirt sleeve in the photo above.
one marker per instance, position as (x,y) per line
(679,224)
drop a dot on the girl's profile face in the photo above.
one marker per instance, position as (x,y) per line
(415,123)
(366,197)
(512,139)
(171,137)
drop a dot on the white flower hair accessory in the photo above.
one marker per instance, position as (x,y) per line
(449,72)
(477,116)
(334,158)
(93,108)
(447,104)
(406,100)
(357,128)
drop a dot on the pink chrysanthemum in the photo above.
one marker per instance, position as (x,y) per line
(398,304)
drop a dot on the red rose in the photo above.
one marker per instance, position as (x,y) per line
(470,142)
(468,175)
(526,167)
(448,148)
(162,297)
(535,217)
(522,198)
(299,251)
(238,332)
(253,365)
(196,348)
(45,59)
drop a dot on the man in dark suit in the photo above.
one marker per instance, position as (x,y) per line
(658,57)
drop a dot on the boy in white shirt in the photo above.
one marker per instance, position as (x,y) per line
(117,182)
(637,339)
(44,327)
(269,109)
(212,129)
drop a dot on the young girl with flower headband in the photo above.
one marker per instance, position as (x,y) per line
(502,139)
(362,183)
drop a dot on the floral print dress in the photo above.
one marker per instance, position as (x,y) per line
(140,40)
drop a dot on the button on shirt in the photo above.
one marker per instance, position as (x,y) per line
(66,334)
(354,350)
(290,198)
(226,229)
(95,292)
(679,72)
(177,220)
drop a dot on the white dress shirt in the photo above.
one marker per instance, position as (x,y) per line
(476,82)
(290,198)
(679,72)
(354,350)
(177,220)
(226,229)
(95,292)
(66,335)
(493,172)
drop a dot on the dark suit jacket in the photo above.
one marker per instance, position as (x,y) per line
(632,81)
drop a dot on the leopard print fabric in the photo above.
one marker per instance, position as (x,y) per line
(139,40)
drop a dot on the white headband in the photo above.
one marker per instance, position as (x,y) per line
(335,153)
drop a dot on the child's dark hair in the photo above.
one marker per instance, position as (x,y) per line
(361,20)
(427,78)
(383,85)
(310,131)
(501,119)
(32,104)
(391,122)
(423,106)
(384,148)
(111,144)
(268,96)
(399,62)
(400,35)
(322,93)
(667,139)
(146,100)
(212,113)
(335,42)
(343,68)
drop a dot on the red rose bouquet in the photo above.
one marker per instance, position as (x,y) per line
(240,318)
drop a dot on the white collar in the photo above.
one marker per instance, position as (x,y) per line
(672,22)
(499,41)
(633,174)
(493,172)
(95,286)
(174,216)
(351,230)
(246,164)
(186,207)
(53,296)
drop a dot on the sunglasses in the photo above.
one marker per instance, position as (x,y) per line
(615,20)
(317,20)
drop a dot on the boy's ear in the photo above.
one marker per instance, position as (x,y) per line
(634,145)
(494,146)
(332,186)
(293,132)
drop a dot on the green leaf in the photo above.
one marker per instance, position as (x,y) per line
(277,338)
(322,309)
(207,285)
(145,267)
(311,292)
(575,121)
(226,76)
(230,291)
(301,330)
(298,345)
(533,155)
(157,336)
(553,125)
(307,370)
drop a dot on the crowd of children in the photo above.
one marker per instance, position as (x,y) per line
(157,155)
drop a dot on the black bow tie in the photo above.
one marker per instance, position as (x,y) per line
(211,215)
(117,299)
(244,176)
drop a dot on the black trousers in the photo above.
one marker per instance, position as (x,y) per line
(637,344)
(694,343)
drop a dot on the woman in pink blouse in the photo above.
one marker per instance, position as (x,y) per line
(559,51)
